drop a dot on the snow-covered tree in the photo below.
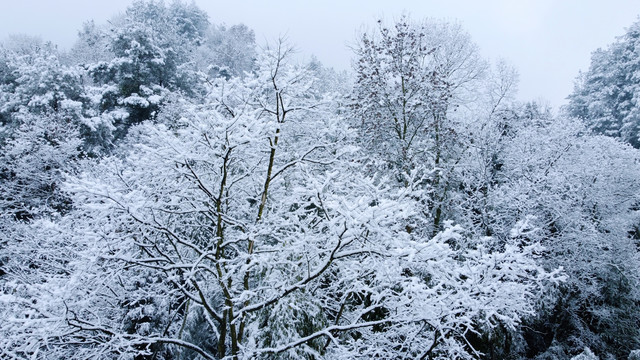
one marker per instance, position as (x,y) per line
(227,51)
(583,194)
(607,96)
(246,229)
(411,77)
(41,116)
(153,54)
(262,209)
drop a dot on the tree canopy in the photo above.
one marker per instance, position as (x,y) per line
(171,190)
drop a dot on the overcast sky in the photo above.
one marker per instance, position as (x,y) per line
(548,41)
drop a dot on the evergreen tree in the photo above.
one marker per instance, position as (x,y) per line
(607,96)
(153,54)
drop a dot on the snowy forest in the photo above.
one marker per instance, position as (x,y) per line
(170,188)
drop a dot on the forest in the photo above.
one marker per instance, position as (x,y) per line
(172,189)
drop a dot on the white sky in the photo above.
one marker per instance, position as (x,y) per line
(548,41)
